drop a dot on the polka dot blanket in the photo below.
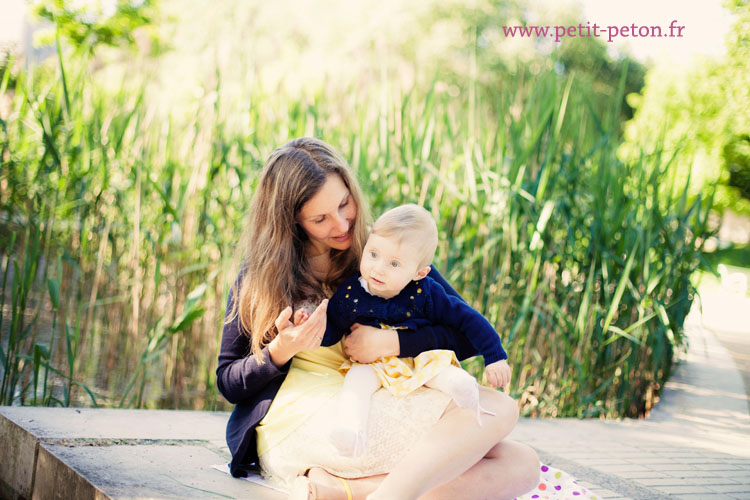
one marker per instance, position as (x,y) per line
(555,484)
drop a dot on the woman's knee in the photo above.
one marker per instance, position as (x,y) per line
(503,406)
(528,466)
(519,462)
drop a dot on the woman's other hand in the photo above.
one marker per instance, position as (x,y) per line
(366,344)
(292,339)
(498,374)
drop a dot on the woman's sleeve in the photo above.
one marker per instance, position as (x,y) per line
(239,376)
(428,338)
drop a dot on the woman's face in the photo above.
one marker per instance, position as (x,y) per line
(328,217)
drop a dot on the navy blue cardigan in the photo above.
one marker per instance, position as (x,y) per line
(420,303)
(251,386)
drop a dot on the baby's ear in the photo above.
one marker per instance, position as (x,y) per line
(423,272)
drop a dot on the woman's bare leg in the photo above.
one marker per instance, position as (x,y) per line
(509,470)
(503,469)
(450,448)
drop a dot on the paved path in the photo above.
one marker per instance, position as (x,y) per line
(694,445)
(723,315)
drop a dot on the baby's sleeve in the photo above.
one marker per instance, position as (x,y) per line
(450,310)
(335,317)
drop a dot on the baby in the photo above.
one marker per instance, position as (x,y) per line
(393,291)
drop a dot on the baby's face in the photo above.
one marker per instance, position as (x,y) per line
(388,266)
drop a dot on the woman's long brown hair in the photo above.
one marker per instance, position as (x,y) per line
(275,272)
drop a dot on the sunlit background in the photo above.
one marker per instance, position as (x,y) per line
(708,24)
(583,189)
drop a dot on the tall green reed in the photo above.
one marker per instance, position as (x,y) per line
(572,254)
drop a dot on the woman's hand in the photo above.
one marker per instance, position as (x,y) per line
(366,344)
(292,339)
(498,374)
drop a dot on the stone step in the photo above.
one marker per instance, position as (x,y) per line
(116,454)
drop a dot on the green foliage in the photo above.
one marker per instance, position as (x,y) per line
(484,50)
(7,78)
(587,58)
(125,219)
(574,256)
(701,115)
(75,189)
(736,155)
(87,26)
(737,256)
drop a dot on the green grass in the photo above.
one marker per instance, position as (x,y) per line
(126,225)
(735,255)
(736,259)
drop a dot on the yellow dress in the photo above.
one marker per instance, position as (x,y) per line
(313,379)
(294,434)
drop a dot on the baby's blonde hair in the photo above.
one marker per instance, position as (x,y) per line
(411,224)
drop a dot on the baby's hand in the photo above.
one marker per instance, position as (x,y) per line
(300,316)
(498,374)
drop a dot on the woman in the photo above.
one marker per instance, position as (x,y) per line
(305,233)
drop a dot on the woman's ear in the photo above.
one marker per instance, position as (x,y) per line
(422,273)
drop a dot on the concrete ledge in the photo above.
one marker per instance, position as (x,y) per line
(116,454)
(54,479)
(17,460)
